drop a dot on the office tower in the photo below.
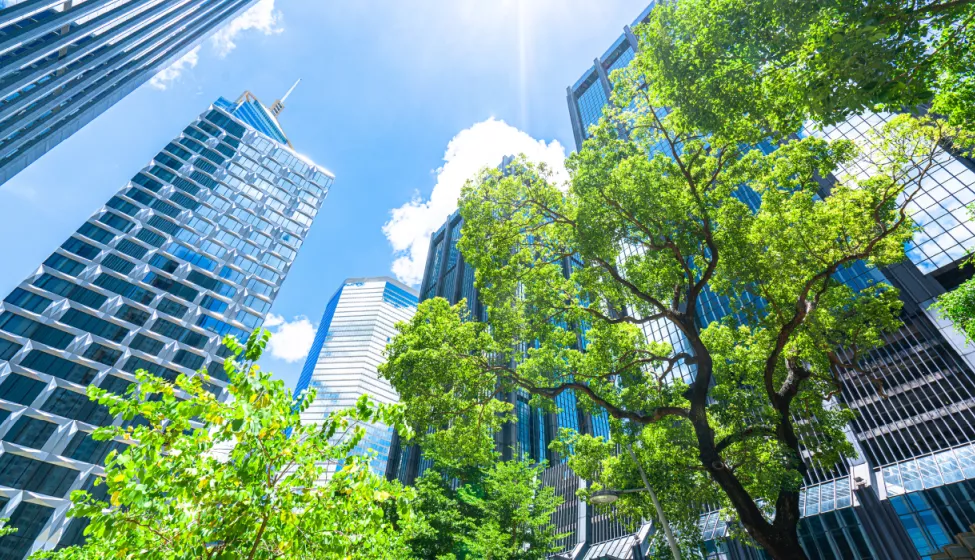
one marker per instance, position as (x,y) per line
(358,322)
(63,63)
(193,248)
(911,490)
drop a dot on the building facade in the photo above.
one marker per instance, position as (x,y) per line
(63,63)
(359,320)
(194,247)
(910,491)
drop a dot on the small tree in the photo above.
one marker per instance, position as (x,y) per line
(655,217)
(502,512)
(173,495)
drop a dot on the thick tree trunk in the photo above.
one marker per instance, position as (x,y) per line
(779,538)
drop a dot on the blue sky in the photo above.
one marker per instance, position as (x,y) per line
(397,99)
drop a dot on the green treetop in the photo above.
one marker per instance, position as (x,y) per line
(175,495)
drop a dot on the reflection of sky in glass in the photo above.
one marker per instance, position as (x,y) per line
(591,103)
(947,231)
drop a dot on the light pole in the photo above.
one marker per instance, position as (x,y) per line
(608,496)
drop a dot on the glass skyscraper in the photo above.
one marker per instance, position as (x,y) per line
(911,489)
(359,320)
(63,63)
(194,247)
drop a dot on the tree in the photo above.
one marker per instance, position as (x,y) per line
(657,218)
(173,495)
(502,512)
(764,67)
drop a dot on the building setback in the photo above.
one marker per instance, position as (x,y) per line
(359,320)
(194,247)
(63,63)
(913,487)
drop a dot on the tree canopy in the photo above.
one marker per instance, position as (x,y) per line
(238,479)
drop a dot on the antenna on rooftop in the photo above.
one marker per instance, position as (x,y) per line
(278,105)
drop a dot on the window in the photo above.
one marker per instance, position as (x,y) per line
(164,207)
(115,384)
(205,166)
(35,476)
(44,334)
(202,280)
(183,184)
(225,122)
(94,325)
(147,182)
(8,349)
(162,224)
(123,206)
(214,325)
(213,156)
(257,304)
(102,354)
(171,286)
(194,133)
(178,151)
(216,371)
(116,221)
(26,300)
(58,367)
(20,389)
(134,364)
(189,360)
(28,520)
(163,263)
(118,264)
(83,447)
(150,237)
(164,174)
(80,248)
(170,307)
(231,274)
(63,264)
(259,287)
(94,232)
(209,128)
(177,332)
(248,319)
(71,291)
(203,179)
(184,201)
(30,432)
(213,304)
(132,315)
(131,249)
(123,288)
(77,406)
(190,256)
(139,196)
(146,344)
(168,161)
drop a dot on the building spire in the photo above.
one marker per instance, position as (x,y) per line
(278,105)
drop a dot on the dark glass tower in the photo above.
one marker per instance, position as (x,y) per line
(911,490)
(194,247)
(63,63)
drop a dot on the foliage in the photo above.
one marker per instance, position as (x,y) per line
(655,219)
(958,305)
(746,69)
(174,494)
(500,513)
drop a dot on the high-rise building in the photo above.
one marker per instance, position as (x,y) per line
(194,247)
(912,488)
(359,320)
(64,62)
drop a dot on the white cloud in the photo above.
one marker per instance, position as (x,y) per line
(290,340)
(175,70)
(482,145)
(261,16)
